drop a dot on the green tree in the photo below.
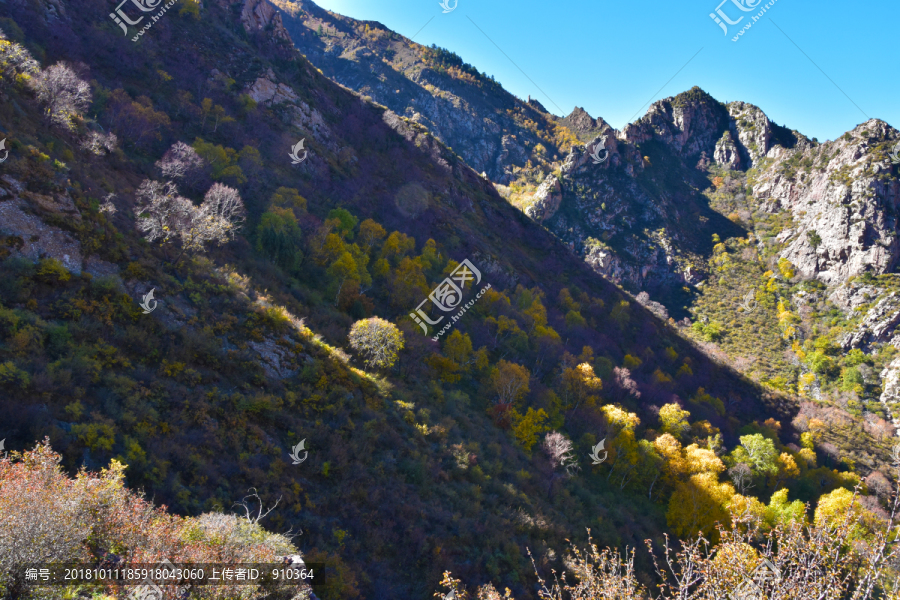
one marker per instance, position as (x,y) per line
(342,270)
(285,197)
(579,384)
(278,238)
(370,233)
(782,512)
(761,454)
(814,239)
(346,222)
(674,420)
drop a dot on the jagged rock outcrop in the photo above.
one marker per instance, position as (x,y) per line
(726,153)
(844,202)
(266,91)
(584,124)
(849,296)
(752,129)
(606,263)
(689,123)
(655,307)
(624,217)
(879,325)
(546,200)
(257,15)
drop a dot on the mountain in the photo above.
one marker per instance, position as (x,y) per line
(145,318)
(495,132)
(641,223)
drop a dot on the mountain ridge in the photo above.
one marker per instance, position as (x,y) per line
(415,469)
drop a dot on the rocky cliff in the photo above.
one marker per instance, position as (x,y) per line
(843,198)
(840,197)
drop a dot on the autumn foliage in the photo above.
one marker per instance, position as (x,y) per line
(47,517)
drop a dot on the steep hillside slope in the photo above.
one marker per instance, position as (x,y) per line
(446,459)
(495,132)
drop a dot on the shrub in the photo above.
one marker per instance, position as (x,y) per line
(47,517)
(51,270)
(379,341)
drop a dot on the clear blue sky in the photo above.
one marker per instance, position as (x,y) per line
(611,57)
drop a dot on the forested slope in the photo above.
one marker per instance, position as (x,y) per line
(457,456)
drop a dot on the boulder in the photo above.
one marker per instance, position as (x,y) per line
(266,91)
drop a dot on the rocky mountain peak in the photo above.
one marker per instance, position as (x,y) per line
(753,130)
(583,124)
(690,123)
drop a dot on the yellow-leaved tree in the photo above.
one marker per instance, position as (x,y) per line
(580,385)
(674,420)
(528,427)
(378,341)
(698,504)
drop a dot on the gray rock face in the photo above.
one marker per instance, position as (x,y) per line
(849,296)
(276,359)
(844,205)
(490,128)
(623,214)
(690,123)
(584,124)
(879,325)
(546,200)
(40,239)
(726,153)
(258,15)
(753,130)
(890,377)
